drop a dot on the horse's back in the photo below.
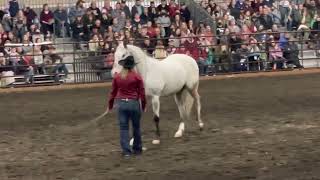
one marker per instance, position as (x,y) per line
(171,75)
(187,66)
(182,59)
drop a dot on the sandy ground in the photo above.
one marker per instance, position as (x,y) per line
(218,77)
(255,128)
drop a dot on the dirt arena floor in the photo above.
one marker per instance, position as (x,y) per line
(264,128)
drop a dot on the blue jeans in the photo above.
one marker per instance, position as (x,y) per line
(129,110)
(62,30)
(28,75)
(202,67)
(40,69)
(59,68)
(284,11)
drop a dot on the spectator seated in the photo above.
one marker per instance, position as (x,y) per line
(37,79)
(268,18)
(26,66)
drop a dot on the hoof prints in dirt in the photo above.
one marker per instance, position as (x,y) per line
(257,128)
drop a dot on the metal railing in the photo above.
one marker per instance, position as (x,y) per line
(87,66)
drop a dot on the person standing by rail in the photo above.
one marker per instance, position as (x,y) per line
(128,93)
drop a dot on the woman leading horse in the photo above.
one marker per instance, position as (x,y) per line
(129,94)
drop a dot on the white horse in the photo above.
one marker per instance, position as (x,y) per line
(176,75)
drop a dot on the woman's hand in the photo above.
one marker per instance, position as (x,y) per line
(109,110)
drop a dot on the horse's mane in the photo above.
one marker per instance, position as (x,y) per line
(137,50)
(141,58)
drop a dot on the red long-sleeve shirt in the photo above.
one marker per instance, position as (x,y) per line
(46,17)
(192,47)
(131,87)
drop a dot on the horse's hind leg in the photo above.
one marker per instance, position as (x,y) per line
(156,110)
(178,99)
(184,102)
(196,96)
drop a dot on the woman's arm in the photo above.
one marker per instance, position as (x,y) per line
(113,93)
(142,95)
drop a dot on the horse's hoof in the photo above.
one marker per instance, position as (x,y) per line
(178,134)
(201,126)
(156,141)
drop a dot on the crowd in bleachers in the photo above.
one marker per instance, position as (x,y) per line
(250,30)
(160,29)
(26,41)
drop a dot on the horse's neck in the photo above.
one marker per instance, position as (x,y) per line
(145,67)
(145,62)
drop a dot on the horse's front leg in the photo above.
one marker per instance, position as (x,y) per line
(156,110)
(155,100)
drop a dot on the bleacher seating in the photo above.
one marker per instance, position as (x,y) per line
(44,80)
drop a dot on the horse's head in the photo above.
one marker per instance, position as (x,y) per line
(121,52)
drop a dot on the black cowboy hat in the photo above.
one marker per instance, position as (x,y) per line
(127,62)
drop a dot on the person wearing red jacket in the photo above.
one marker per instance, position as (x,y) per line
(191,45)
(180,50)
(173,9)
(129,94)
(193,50)
(46,20)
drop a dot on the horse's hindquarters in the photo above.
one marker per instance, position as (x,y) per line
(189,68)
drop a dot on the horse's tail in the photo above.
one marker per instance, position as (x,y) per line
(189,101)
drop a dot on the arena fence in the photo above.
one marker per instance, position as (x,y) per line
(87,66)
